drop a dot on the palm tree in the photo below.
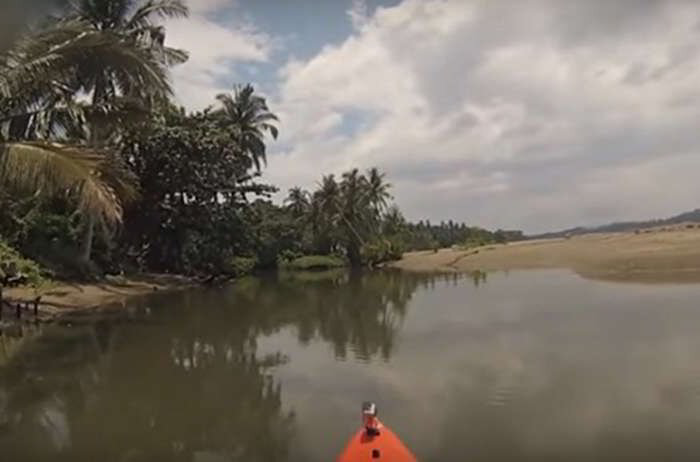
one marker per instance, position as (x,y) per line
(248,114)
(324,214)
(355,212)
(39,123)
(297,202)
(377,190)
(52,169)
(131,25)
(394,221)
(314,219)
(135,71)
(377,196)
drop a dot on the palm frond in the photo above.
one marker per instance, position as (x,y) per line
(41,62)
(52,169)
(102,13)
(158,8)
(44,61)
(135,68)
(114,172)
(249,119)
(173,56)
(54,118)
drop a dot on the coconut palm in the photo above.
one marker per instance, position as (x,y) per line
(137,70)
(328,197)
(249,116)
(41,75)
(393,221)
(38,82)
(354,198)
(51,169)
(347,214)
(355,212)
(297,202)
(131,24)
(39,123)
(377,190)
(324,214)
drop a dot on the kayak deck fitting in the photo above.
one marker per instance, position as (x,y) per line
(375,442)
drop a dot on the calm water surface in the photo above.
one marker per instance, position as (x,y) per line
(524,366)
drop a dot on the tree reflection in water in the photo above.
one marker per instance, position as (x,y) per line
(181,378)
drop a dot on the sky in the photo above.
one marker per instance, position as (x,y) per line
(527,114)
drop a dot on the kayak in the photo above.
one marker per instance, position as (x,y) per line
(375,442)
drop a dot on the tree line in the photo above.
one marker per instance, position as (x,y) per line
(424,235)
(101,171)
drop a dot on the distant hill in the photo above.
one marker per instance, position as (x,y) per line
(687,217)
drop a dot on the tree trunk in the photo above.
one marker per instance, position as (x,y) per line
(88,235)
(89,231)
(354,254)
(354,245)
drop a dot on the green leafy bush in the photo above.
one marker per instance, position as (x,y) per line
(13,264)
(380,251)
(288,255)
(241,266)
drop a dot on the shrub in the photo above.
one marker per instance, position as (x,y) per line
(13,264)
(380,251)
(241,266)
(288,255)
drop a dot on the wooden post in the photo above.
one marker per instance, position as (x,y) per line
(36,308)
(19,311)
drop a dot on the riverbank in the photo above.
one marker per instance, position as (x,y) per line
(657,255)
(63,297)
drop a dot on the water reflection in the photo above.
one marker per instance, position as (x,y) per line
(180,391)
(184,381)
(528,366)
(358,313)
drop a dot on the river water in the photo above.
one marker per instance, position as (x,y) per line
(521,366)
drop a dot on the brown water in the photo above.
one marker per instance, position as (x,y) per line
(525,366)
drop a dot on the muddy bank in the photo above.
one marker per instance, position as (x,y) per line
(65,297)
(650,257)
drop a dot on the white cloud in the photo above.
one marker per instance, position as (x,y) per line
(358,13)
(208,6)
(533,114)
(214,51)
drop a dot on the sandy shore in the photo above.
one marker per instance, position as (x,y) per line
(64,297)
(672,255)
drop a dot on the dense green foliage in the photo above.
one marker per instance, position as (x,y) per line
(194,181)
(341,217)
(12,264)
(100,171)
(424,235)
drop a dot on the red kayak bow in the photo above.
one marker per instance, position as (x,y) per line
(375,442)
